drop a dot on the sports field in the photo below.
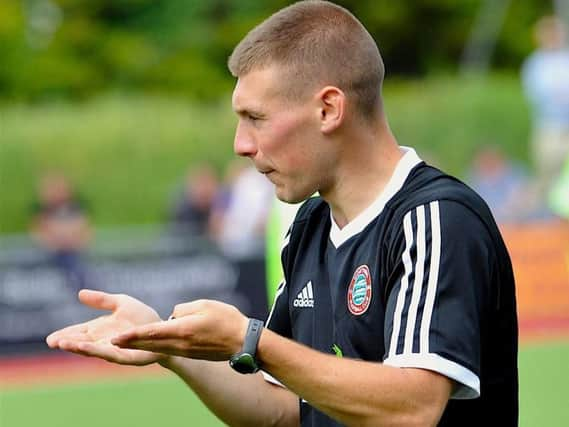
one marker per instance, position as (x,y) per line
(113,399)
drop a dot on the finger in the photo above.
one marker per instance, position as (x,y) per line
(90,349)
(110,353)
(71,346)
(99,300)
(152,331)
(175,347)
(103,351)
(61,333)
(76,338)
(188,308)
(165,346)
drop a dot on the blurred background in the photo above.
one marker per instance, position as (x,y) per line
(117,173)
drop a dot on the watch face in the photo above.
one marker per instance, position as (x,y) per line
(244,363)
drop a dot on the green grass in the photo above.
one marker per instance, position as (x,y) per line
(142,403)
(544,376)
(127,153)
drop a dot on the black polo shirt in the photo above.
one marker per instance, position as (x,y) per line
(420,279)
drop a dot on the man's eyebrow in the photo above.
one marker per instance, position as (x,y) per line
(242,111)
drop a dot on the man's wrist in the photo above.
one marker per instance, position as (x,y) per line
(263,348)
(241,336)
(168,362)
(244,360)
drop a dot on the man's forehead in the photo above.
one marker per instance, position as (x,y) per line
(259,88)
(240,100)
(255,87)
(238,95)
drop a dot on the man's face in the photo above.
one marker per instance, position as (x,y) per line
(281,136)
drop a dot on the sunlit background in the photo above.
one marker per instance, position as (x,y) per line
(117,173)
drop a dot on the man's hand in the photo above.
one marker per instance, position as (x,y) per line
(93,338)
(201,329)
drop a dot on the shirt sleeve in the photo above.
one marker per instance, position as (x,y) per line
(279,319)
(433,315)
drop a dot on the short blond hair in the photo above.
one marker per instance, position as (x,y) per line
(316,43)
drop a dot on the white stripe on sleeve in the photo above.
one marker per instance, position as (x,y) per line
(406,257)
(433,276)
(280,290)
(418,284)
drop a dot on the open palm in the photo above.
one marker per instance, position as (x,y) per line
(93,338)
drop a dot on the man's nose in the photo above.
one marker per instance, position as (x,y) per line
(244,145)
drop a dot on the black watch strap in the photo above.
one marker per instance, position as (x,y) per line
(244,361)
(252,336)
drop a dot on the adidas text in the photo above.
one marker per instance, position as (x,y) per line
(304,302)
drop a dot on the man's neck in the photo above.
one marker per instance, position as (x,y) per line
(366,167)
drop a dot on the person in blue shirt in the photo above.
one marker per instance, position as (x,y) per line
(545,79)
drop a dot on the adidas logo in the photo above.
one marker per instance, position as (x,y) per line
(305,298)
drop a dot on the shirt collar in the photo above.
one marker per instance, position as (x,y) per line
(409,160)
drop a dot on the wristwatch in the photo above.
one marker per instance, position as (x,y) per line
(244,361)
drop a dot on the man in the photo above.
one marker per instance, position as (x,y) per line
(398,302)
(61,226)
(545,78)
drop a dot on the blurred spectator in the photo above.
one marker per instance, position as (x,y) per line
(545,76)
(191,210)
(221,204)
(503,184)
(61,226)
(241,225)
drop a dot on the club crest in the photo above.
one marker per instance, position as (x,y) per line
(359,291)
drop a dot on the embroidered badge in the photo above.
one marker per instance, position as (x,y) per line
(359,291)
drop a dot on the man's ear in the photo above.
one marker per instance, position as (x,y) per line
(332,102)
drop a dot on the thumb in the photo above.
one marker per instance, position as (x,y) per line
(99,300)
(190,308)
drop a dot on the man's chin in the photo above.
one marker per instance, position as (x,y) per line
(287,197)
